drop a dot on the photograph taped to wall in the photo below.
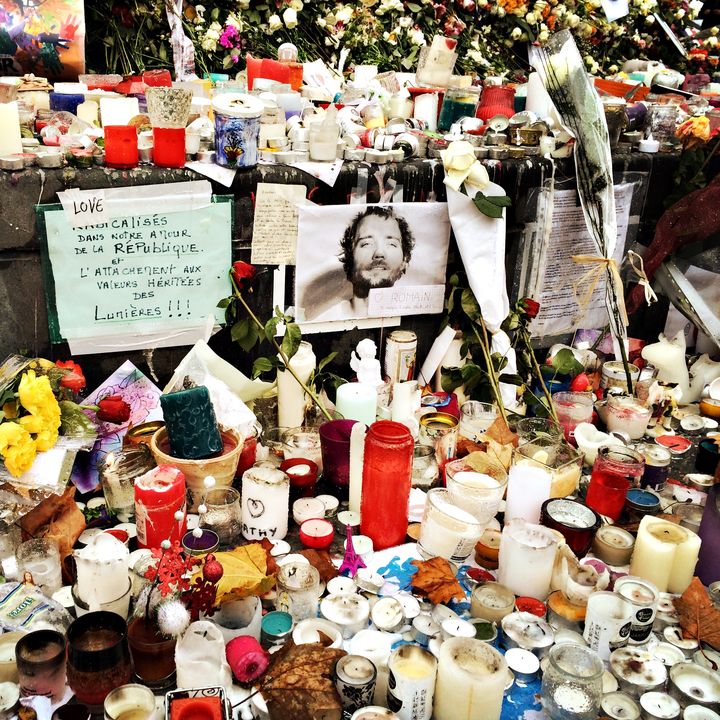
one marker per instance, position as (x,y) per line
(346,251)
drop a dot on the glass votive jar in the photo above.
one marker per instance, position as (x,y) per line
(98,659)
(613,375)
(303,475)
(475,419)
(572,683)
(478,493)
(615,117)
(335,451)
(663,121)
(576,522)
(572,408)
(298,591)
(615,470)
(446,530)
(117,476)
(492,601)
(657,466)
(440,431)
(425,471)
(223,515)
(628,415)
(272,440)
(121,146)
(532,428)
(458,103)
(303,442)
(41,558)
(130,702)
(40,658)
(561,460)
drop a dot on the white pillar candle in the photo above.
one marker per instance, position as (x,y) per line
(102,570)
(426,110)
(528,488)
(10,138)
(89,111)
(526,558)
(291,396)
(118,111)
(665,554)
(607,622)
(357,455)
(470,682)
(200,655)
(356,401)
(264,503)
(411,686)
(405,403)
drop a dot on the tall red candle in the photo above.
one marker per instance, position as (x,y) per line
(159,494)
(387,478)
(121,146)
(169,147)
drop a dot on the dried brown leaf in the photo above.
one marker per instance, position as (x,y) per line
(320,560)
(436,578)
(699,618)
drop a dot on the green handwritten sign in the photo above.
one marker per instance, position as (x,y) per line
(136,274)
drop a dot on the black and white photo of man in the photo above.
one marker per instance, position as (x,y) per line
(379,247)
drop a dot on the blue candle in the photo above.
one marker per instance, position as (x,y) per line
(68,103)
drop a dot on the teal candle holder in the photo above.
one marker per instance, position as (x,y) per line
(191,424)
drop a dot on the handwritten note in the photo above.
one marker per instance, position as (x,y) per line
(84,207)
(136,274)
(410,300)
(275,225)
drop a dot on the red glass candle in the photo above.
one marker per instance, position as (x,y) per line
(317,533)
(303,477)
(576,522)
(387,478)
(248,454)
(157,78)
(614,472)
(169,147)
(496,100)
(335,449)
(531,605)
(159,494)
(121,146)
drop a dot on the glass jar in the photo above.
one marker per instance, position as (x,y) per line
(335,450)
(496,100)
(303,442)
(614,472)
(562,461)
(478,493)
(272,439)
(532,428)
(98,659)
(298,591)
(457,104)
(130,702)
(223,515)
(387,478)
(573,520)
(153,654)
(657,466)
(447,530)
(613,375)
(614,108)
(425,471)
(40,659)
(572,408)
(628,415)
(475,419)
(40,558)
(440,431)
(117,476)
(572,683)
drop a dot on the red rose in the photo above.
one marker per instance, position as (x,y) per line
(113,409)
(242,273)
(530,307)
(73,379)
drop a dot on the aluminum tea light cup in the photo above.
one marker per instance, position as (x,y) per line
(524,665)
(673,635)
(620,706)
(691,684)
(699,712)
(666,652)
(637,671)
(659,706)
(706,657)
(527,631)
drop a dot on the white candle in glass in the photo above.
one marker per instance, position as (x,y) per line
(526,558)
(476,492)
(119,110)
(102,570)
(665,554)
(471,681)
(200,655)
(10,138)
(528,488)
(356,401)
(291,396)
(264,503)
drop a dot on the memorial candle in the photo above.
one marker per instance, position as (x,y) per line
(159,494)
(10,139)
(121,146)
(102,570)
(291,396)
(356,401)
(470,682)
(264,503)
(528,488)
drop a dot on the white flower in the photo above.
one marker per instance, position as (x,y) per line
(321,22)
(530,18)
(173,618)
(416,36)
(234,21)
(405,21)
(543,36)
(290,18)
(344,14)
(613,69)
(650,19)
(243,4)
(516,33)
(296,5)
(200,9)
(208,44)
(501,11)
(274,23)
(680,14)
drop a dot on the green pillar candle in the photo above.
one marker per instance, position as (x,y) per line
(191,424)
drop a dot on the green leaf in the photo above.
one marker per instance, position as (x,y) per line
(261,365)
(326,360)
(450,379)
(486,207)
(239,330)
(412,7)
(501,200)
(291,340)
(73,421)
(470,304)
(249,341)
(271,328)
(224,302)
(564,363)
(511,379)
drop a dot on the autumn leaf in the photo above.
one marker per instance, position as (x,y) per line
(501,433)
(437,580)
(300,682)
(320,560)
(699,618)
(272,566)
(244,573)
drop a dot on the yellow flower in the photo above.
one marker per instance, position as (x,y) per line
(694,132)
(37,397)
(17,448)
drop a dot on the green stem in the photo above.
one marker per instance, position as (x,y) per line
(538,372)
(492,375)
(281,353)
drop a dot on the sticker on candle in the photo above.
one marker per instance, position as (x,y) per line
(414,300)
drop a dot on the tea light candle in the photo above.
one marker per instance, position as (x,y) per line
(698,712)
(527,631)
(341,584)
(348,517)
(264,503)
(659,706)
(350,612)
(526,558)
(665,554)
(424,628)
(306,509)
(369,581)
(613,545)
(673,635)
(492,602)
(302,473)
(637,671)
(363,546)
(317,533)
(528,488)
(470,681)
(523,664)
(707,658)
(451,628)
(313,630)
(667,653)
(387,615)
(374,712)
(355,681)
(620,706)
(375,646)
(691,684)
(331,504)
(563,613)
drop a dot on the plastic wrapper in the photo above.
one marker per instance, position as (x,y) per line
(24,608)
